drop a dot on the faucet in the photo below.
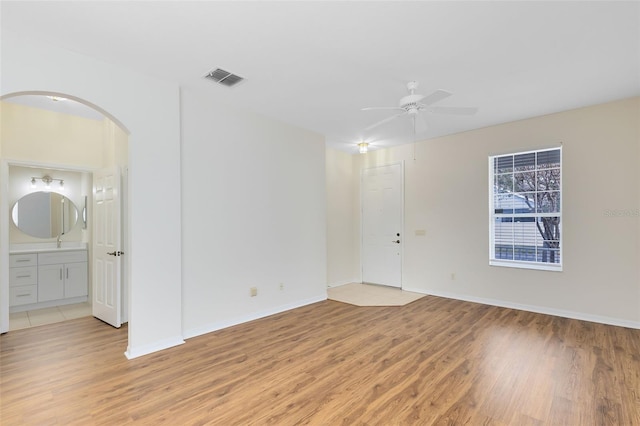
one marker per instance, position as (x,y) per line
(58,241)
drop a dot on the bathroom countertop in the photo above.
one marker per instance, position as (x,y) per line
(34,248)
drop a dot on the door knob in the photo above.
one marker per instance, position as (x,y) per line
(115,253)
(396,241)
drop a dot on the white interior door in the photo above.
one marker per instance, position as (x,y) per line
(382,210)
(107,250)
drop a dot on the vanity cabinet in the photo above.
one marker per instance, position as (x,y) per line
(48,276)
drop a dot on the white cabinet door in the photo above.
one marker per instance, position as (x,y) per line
(50,282)
(75,280)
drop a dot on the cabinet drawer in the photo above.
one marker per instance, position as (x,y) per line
(23,295)
(18,260)
(27,275)
(52,258)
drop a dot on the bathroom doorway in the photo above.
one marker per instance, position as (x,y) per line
(57,137)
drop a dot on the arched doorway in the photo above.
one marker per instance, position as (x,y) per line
(40,131)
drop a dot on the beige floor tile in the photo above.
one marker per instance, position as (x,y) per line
(19,324)
(371,295)
(45,316)
(26,319)
(18,320)
(18,315)
(77,310)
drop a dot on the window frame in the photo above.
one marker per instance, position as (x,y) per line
(523,264)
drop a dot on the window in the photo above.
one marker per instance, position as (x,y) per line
(525,210)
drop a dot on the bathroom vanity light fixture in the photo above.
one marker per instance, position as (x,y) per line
(47,180)
(363,147)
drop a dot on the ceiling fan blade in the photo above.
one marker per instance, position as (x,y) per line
(453,110)
(375,108)
(434,97)
(386,120)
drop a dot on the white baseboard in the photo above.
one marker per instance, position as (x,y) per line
(198,331)
(339,283)
(136,352)
(532,308)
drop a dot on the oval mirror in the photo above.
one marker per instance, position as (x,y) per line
(44,214)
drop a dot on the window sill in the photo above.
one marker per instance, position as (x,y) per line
(555,267)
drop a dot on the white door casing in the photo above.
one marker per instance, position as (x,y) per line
(107,254)
(382,224)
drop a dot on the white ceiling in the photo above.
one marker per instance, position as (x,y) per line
(316,64)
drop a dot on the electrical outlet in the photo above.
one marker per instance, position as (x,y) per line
(281,286)
(253,291)
(453,275)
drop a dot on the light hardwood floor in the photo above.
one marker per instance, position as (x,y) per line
(434,361)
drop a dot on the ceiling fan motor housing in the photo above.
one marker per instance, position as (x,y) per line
(411,103)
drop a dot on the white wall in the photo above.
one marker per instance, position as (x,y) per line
(254,215)
(149,109)
(342,207)
(115,145)
(446,194)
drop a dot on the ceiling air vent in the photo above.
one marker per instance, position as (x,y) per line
(224,77)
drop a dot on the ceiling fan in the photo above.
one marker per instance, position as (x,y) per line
(413,104)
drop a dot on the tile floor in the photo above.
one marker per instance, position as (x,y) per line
(26,319)
(371,295)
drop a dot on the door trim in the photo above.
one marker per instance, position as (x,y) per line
(402,231)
